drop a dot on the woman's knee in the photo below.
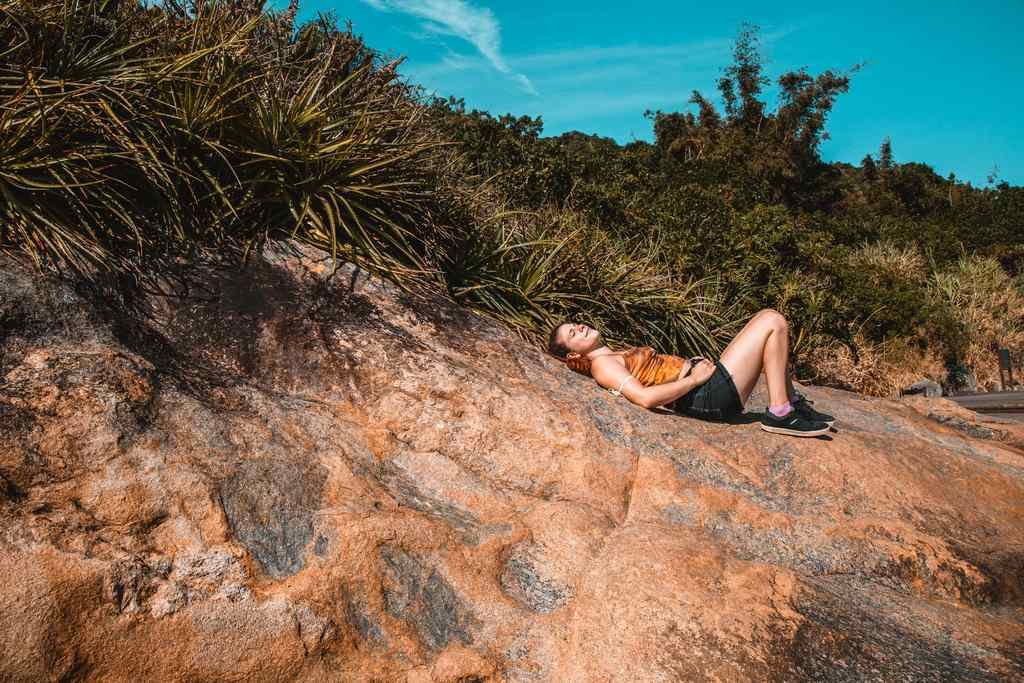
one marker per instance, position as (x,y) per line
(772,317)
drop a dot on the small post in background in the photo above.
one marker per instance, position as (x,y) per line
(1005,370)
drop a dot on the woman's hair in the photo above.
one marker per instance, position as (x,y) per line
(579,363)
(554,347)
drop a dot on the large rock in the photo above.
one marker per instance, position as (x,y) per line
(303,474)
(926,387)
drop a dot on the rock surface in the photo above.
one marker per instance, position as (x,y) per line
(309,475)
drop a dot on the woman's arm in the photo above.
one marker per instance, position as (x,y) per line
(611,374)
(660,394)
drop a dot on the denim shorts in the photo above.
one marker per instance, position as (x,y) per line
(717,399)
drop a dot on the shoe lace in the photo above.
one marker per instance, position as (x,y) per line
(800,398)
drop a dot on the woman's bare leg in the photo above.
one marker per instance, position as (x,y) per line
(790,389)
(761,346)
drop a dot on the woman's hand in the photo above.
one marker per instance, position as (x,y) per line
(702,371)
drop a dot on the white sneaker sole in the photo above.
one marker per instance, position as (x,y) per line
(795,432)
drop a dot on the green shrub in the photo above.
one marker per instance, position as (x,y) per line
(881,292)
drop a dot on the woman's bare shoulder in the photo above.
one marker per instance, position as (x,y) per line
(607,368)
(609,359)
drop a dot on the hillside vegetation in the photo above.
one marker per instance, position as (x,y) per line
(139,141)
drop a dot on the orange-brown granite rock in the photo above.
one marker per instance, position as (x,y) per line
(303,474)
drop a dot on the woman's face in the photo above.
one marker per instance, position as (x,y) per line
(578,337)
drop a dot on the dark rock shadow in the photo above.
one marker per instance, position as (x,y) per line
(206,329)
(746,419)
(416,592)
(270,507)
(878,634)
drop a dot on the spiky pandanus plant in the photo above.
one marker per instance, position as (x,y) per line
(535,270)
(132,135)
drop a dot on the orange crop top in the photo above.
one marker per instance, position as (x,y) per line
(651,367)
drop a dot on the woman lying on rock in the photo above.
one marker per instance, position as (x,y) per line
(699,387)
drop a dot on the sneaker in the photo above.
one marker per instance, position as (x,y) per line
(793,424)
(803,405)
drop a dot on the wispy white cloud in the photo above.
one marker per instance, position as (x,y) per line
(709,52)
(596,105)
(581,64)
(692,51)
(476,25)
(585,86)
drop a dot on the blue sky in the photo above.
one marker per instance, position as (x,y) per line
(944,80)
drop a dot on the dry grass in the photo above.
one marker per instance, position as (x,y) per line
(977,309)
(874,369)
(904,262)
(981,299)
